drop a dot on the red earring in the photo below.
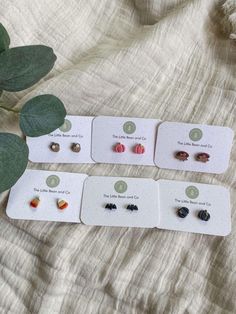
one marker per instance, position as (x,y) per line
(203,157)
(35,202)
(139,149)
(181,155)
(119,148)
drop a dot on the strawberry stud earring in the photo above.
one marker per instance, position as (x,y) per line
(35,202)
(139,149)
(181,155)
(119,148)
(62,204)
(203,157)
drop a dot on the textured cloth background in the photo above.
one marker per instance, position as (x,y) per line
(170,59)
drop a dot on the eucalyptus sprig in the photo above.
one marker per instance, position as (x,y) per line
(20,68)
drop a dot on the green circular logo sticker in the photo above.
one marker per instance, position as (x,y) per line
(52,181)
(195,134)
(129,127)
(66,126)
(192,192)
(121,186)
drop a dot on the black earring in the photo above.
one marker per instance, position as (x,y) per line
(204,215)
(132,207)
(183,212)
(110,206)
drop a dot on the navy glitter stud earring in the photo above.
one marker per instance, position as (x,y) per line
(204,215)
(132,207)
(183,212)
(110,206)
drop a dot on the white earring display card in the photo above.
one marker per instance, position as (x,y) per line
(214,200)
(71,143)
(114,201)
(124,140)
(51,192)
(193,147)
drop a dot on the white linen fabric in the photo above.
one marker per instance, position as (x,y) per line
(173,60)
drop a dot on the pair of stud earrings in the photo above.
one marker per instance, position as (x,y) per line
(202,157)
(137,149)
(202,214)
(131,207)
(55,147)
(61,204)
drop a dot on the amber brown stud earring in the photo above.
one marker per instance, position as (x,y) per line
(203,157)
(181,155)
(62,204)
(35,202)
(55,147)
(75,147)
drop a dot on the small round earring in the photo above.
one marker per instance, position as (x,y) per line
(181,155)
(132,207)
(110,206)
(75,147)
(55,147)
(139,149)
(183,212)
(62,204)
(119,148)
(203,157)
(204,215)
(35,202)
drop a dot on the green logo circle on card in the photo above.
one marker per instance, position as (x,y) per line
(66,126)
(129,127)
(120,186)
(52,181)
(192,192)
(195,134)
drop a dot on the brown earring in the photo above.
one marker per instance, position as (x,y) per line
(75,147)
(181,155)
(203,157)
(55,147)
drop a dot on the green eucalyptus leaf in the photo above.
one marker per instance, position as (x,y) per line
(4,39)
(22,67)
(41,115)
(13,159)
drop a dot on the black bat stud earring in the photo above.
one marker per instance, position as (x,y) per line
(110,206)
(132,207)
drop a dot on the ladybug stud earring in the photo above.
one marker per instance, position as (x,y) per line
(203,157)
(139,149)
(55,147)
(35,202)
(181,155)
(119,148)
(62,204)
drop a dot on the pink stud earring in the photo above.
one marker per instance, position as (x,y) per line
(203,157)
(181,155)
(139,149)
(119,148)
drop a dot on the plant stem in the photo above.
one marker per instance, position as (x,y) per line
(9,109)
